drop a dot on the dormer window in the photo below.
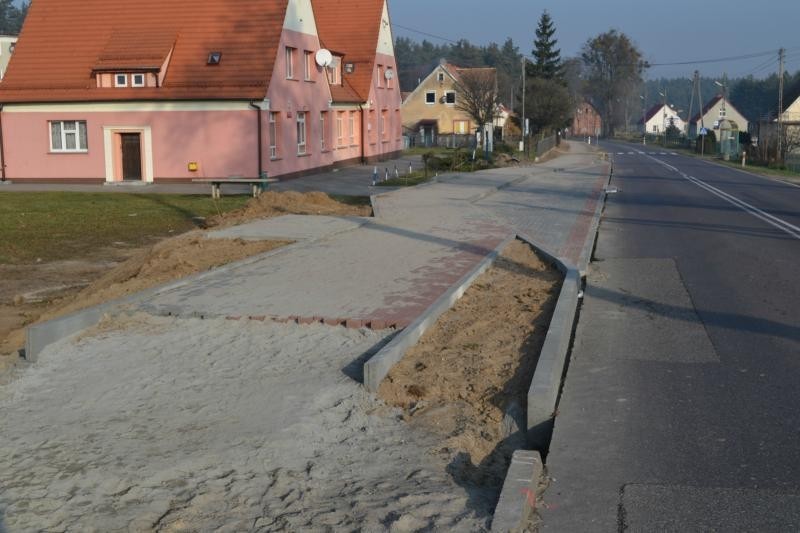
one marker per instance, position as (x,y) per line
(214,58)
(335,71)
(137,80)
(120,80)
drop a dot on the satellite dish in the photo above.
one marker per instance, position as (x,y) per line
(389,74)
(324,58)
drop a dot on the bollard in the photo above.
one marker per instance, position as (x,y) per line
(396,173)
(410,170)
(375,176)
(744,159)
(386,174)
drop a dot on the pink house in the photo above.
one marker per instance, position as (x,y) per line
(170,91)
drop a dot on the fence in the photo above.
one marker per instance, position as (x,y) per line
(441,141)
(546,144)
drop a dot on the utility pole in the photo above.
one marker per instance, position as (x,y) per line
(691,103)
(664,118)
(522,144)
(782,58)
(702,113)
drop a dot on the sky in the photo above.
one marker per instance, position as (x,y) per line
(666,31)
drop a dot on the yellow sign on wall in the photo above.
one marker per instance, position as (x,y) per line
(193,167)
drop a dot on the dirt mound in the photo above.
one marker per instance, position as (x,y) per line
(168,260)
(476,364)
(271,204)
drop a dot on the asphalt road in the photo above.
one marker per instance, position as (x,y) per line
(681,405)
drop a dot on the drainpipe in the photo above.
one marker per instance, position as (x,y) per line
(2,148)
(363,127)
(257,107)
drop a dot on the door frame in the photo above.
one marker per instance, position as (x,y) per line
(111,149)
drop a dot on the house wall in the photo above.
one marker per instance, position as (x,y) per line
(712,115)
(219,136)
(5,53)
(287,97)
(415,109)
(586,121)
(383,100)
(656,123)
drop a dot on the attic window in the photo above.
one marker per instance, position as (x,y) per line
(214,58)
(440,76)
(120,80)
(349,68)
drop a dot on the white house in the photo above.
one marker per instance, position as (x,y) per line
(660,117)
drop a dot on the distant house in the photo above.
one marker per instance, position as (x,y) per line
(660,117)
(170,91)
(586,121)
(7,45)
(431,110)
(715,111)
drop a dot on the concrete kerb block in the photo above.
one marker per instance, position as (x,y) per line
(381,363)
(39,336)
(546,384)
(586,253)
(518,498)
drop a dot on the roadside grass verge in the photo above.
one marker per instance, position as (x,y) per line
(51,226)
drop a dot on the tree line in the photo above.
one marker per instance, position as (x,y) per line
(12,17)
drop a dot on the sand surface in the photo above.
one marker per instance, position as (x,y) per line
(468,376)
(163,424)
(33,293)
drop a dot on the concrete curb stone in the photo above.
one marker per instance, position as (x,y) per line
(518,497)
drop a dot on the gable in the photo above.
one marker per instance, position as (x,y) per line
(385,41)
(300,17)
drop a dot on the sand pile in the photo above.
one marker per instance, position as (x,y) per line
(476,364)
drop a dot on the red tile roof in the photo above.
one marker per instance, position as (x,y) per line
(351,28)
(64,41)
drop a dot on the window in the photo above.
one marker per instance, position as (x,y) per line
(655,128)
(461,127)
(214,58)
(137,80)
(340,128)
(430,97)
(379,75)
(120,80)
(289,63)
(450,97)
(301,133)
(384,119)
(335,71)
(68,136)
(371,126)
(323,130)
(440,76)
(307,65)
(352,128)
(273,135)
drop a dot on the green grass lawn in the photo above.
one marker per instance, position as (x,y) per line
(51,226)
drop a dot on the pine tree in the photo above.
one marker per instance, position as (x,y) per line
(547,56)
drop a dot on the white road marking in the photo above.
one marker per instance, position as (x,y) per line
(779,223)
(620,153)
(631,153)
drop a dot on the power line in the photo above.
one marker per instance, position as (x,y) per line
(432,35)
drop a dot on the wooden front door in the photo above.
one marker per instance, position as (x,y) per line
(131,156)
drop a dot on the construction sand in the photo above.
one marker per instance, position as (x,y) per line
(146,423)
(67,286)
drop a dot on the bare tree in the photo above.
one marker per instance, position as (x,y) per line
(477,96)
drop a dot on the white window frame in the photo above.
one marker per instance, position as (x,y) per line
(427,94)
(448,93)
(440,76)
(335,71)
(379,82)
(63,132)
(133,80)
(383,118)
(307,61)
(302,137)
(340,129)
(117,77)
(351,127)
(290,52)
(273,135)
(322,116)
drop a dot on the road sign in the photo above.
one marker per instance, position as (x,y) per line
(704,131)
